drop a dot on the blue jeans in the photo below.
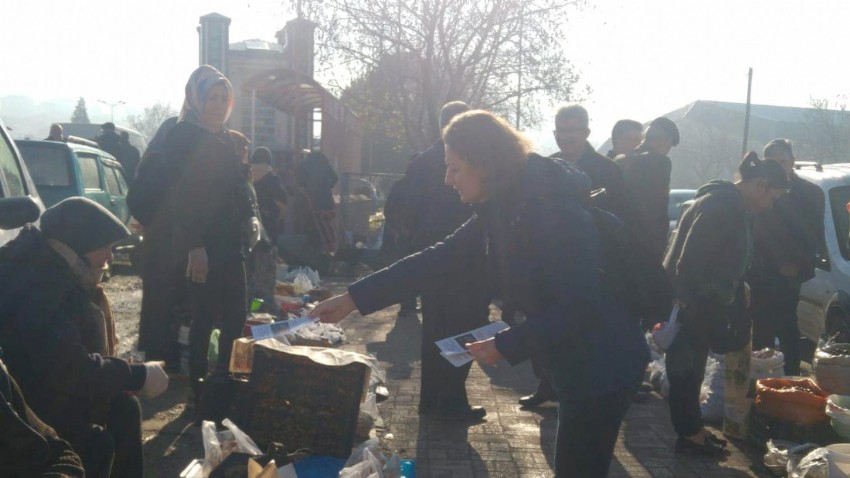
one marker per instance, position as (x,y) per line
(587,433)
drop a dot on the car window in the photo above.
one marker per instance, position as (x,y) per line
(112,183)
(838,199)
(47,166)
(11,170)
(88,169)
(121,182)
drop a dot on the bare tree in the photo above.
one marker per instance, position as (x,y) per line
(153,116)
(493,54)
(826,132)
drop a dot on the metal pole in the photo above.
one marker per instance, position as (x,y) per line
(747,114)
(253,115)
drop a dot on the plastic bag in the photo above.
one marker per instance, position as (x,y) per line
(658,376)
(813,465)
(369,467)
(663,333)
(831,365)
(767,363)
(711,405)
(218,445)
(780,453)
(302,284)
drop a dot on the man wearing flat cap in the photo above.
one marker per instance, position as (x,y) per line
(59,341)
(646,172)
(109,140)
(786,242)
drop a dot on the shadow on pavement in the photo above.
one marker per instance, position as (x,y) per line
(400,348)
(172,440)
(443,445)
(649,442)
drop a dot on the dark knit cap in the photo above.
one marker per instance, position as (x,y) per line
(82,224)
(669,127)
(261,155)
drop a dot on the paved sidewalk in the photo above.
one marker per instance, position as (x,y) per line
(511,442)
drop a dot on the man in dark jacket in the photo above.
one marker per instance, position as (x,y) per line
(436,212)
(129,157)
(59,341)
(787,240)
(646,171)
(109,140)
(625,137)
(572,127)
(28,446)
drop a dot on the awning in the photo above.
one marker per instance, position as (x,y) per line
(286,90)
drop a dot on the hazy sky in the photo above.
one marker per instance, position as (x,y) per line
(641,58)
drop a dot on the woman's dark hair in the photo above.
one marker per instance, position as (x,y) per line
(752,168)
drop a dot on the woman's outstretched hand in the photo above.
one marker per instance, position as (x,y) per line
(485,351)
(334,309)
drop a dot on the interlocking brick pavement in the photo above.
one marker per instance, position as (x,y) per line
(511,442)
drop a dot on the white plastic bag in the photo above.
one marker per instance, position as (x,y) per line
(664,333)
(219,445)
(767,363)
(369,467)
(712,399)
(781,453)
(831,365)
(813,465)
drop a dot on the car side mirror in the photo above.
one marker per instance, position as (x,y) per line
(17,211)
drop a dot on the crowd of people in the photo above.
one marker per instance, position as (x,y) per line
(477,217)
(526,232)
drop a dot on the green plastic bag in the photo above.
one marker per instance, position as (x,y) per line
(212,351)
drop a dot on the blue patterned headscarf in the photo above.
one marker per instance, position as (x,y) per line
(199,84)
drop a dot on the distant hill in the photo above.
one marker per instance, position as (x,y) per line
(27,118)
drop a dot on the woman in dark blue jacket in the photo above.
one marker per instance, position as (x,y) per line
(541,247)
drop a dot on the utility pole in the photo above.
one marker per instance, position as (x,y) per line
(111,108)
(747,114)
(519,73)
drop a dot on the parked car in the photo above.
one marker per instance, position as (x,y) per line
(825,300)
(62,170)
(15,182)
(91,131)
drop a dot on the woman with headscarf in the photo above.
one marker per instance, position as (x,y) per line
(212,207)
(539,247)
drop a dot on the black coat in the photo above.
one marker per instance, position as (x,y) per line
(604,173)
(436,210)
(28,446)
(647,178)
(270,196)
(792,232)
(539,247)
(153,200)
(54,340)
(712,247)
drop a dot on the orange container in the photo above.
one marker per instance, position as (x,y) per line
(797,400)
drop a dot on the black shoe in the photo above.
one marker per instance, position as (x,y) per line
(470,414)
(710,447)
(535,400)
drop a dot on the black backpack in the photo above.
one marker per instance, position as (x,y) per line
(629,273)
